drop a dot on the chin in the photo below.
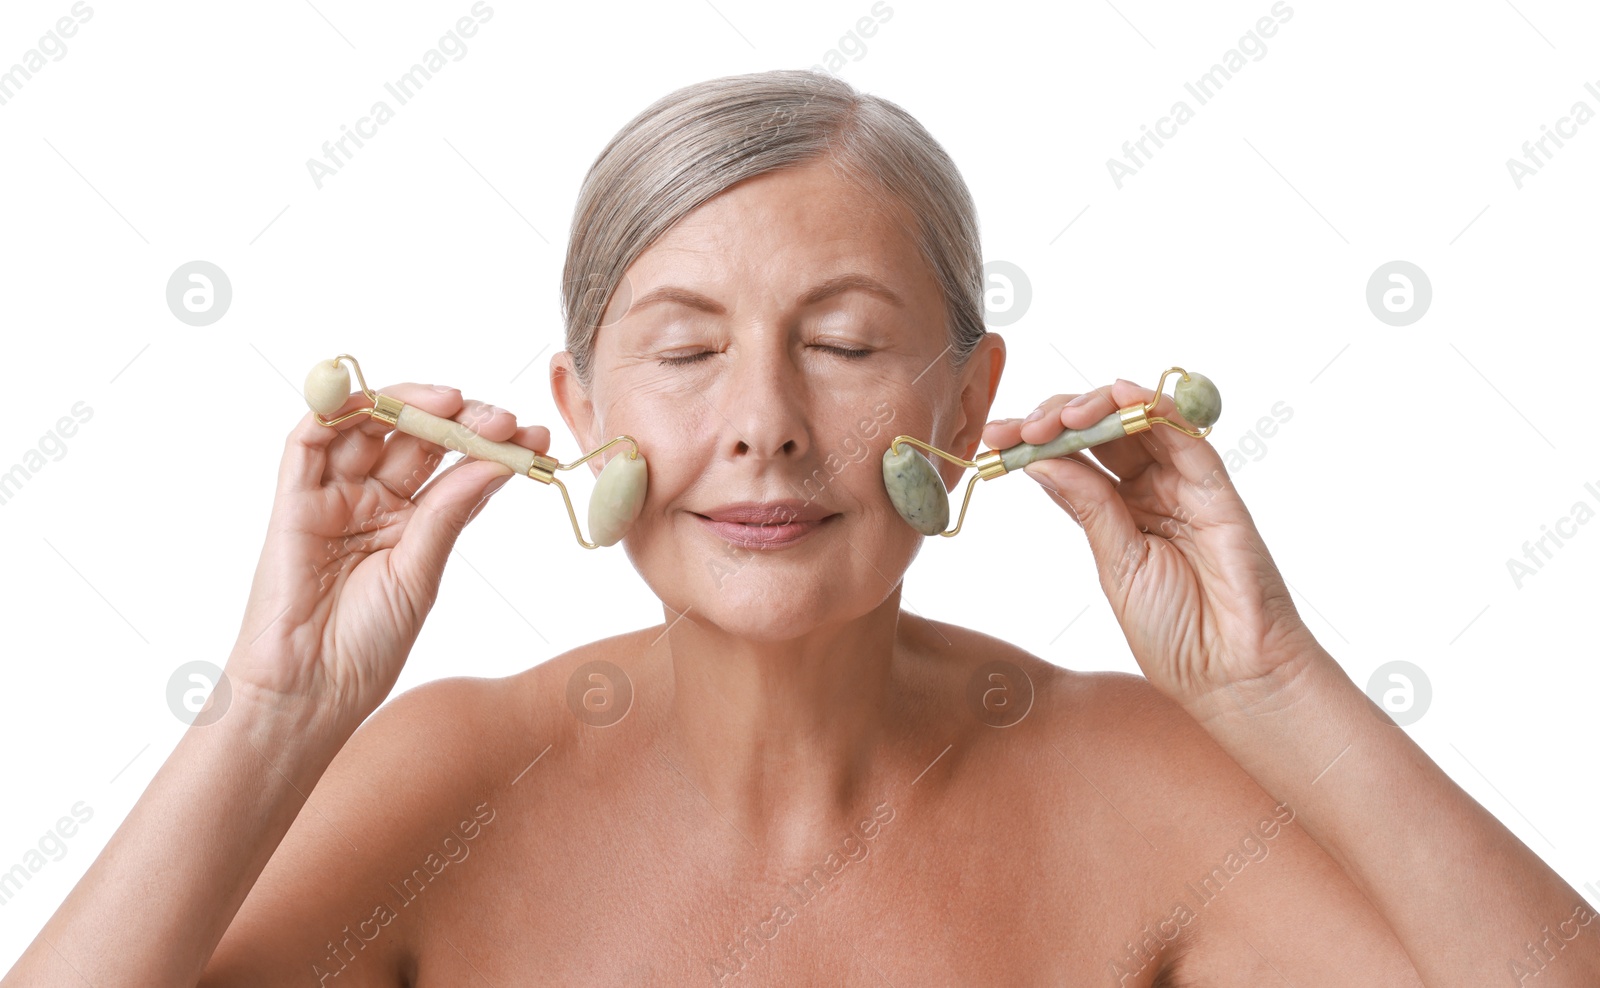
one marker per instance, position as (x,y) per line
(770,594)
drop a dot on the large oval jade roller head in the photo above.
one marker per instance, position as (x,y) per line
(618,493)
(917,491)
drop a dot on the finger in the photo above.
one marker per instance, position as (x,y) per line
(1002,433)
(1170,503)
(457,461)
(453,499)
(1091,499)
(1130,456)
(1076,412)
(1081,457)
(1083,410)
(1044,422)
(1193,459)
(311,446)
(1084,457)
(534,437)
(352,461)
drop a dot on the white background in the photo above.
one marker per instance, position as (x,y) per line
(1417,461)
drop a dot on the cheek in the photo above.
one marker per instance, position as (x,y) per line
(678,434)
(848,458)
(666,427)
(925,424)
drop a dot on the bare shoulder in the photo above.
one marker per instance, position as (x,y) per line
(323,902)
(1113,711)
(1113,728)
(1116,719)
(407,796)
(1213,879)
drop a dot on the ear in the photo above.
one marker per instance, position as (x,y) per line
(980,381)
(572,400)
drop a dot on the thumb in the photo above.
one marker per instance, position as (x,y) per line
(437,520)
(1091,498)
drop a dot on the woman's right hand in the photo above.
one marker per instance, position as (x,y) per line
(355,550)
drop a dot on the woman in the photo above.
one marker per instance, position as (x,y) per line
(790,781)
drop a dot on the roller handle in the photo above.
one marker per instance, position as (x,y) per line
(1070,441)
(414,421)
(1195,397)
(327,388)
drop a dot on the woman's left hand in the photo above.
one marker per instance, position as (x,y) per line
(1199,598)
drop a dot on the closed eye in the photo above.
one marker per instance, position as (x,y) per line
(847,352)
(691,358)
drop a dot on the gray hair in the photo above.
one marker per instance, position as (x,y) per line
(701,139)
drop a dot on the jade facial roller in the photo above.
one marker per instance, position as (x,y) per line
(618,493)
(917,491)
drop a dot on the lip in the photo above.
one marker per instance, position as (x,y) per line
(766,524)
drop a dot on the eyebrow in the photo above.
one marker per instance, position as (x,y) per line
(826,290)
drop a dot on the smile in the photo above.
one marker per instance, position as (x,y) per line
(751,535)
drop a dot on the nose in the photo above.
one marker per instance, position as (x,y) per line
(763,401)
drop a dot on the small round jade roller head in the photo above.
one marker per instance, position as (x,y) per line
(618,493)
(917,491)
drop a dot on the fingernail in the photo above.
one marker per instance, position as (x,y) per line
(1036,413)
(1081,399)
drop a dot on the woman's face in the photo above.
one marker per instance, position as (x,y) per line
(764,352)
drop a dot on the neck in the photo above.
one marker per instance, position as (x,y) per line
(784,738)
